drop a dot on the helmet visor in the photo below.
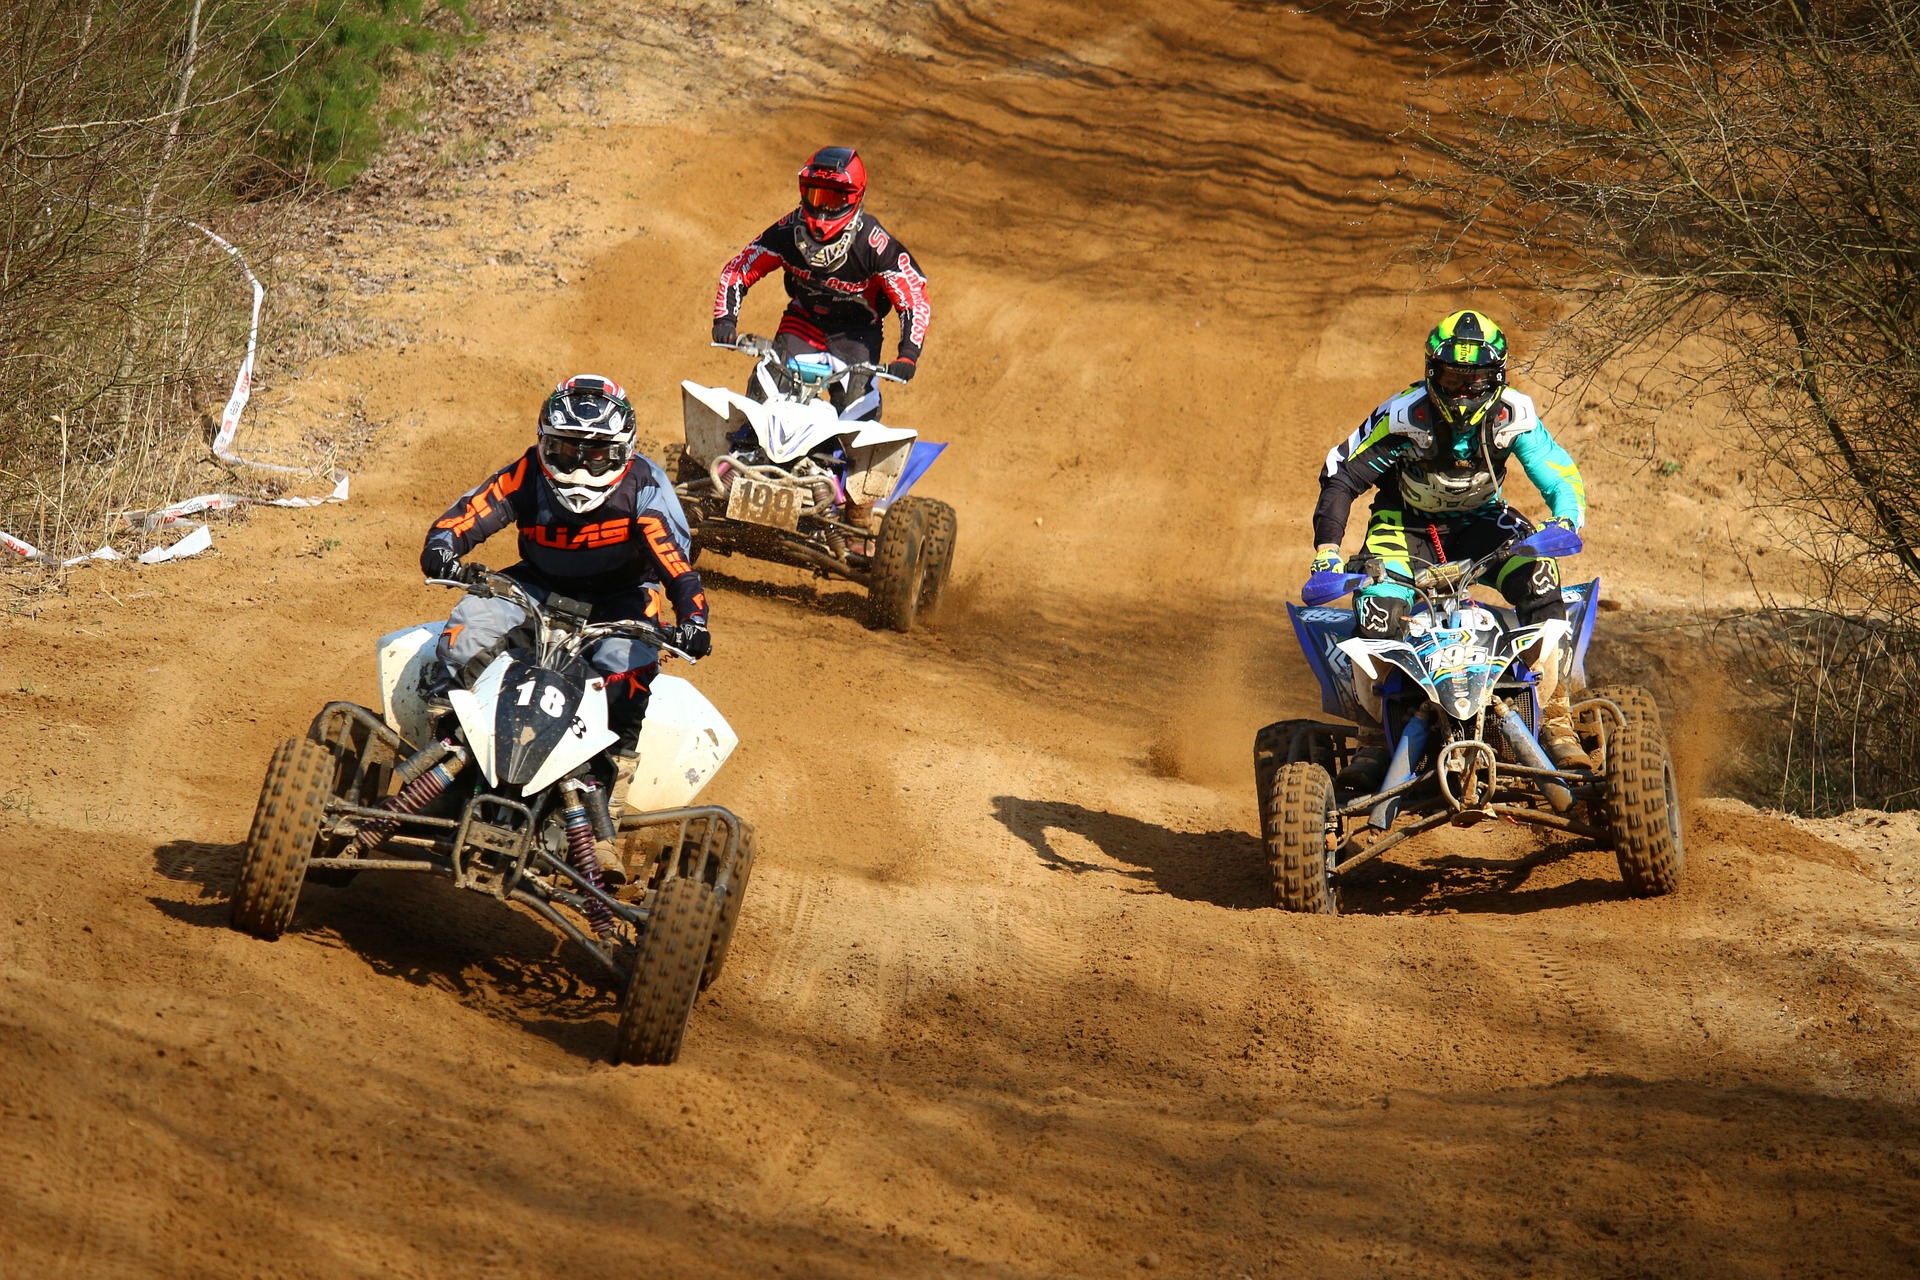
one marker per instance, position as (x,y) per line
(595,457)
(1465,383)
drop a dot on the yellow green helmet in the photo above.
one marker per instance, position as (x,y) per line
(1466,368)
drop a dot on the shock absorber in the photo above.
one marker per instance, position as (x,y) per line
(423,775)
(579,823)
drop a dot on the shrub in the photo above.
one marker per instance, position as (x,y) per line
(326,108)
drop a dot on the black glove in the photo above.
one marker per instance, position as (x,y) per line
(692,638)
(902,369)
(438,560)
(725,332)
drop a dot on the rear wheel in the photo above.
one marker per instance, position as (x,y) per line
(286,826)
(1274,746)
(729,915)
(666,973)
(912,557)
(1625,696)
(1642,805)
(1301,832)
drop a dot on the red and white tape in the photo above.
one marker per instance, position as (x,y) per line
(200,537)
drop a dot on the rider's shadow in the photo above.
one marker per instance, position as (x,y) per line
(1224,868)
(417,928)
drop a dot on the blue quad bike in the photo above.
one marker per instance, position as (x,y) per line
(1462,715)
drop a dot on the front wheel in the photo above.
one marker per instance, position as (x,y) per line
(912,559)
(1642,805)
(1302,832)
(666,973)
(286,826)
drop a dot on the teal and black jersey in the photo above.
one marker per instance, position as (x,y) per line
(1435,475)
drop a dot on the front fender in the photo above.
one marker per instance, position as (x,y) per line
(1397,653)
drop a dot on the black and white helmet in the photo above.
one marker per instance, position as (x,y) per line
(586,439)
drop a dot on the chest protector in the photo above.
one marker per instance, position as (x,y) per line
(1434,476)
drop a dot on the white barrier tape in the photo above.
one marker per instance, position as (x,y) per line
(201,538)
(177,512)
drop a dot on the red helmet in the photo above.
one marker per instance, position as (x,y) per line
(832,185)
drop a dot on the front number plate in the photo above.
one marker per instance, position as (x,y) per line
(765,502)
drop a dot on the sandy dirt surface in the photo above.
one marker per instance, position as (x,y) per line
(1007,998)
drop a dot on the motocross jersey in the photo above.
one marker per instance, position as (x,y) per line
(1432,474)
(851,282)
(637,537)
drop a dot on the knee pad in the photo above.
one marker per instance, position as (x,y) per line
(1380,617)
(1534,590)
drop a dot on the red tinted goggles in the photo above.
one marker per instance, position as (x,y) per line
(826,200)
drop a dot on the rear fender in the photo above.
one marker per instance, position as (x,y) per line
(707,415)
(403,660)
(1321,632)
(921,457)
(1583,607)
(683,742)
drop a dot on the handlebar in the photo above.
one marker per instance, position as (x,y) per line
(492,585)
(759,348)
(1549,542)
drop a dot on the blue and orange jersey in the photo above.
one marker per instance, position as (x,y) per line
(637,536)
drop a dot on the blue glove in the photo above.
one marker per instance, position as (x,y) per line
(1327,560)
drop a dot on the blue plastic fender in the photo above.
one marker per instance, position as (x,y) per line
(919,458)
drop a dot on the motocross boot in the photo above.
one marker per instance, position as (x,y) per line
(612,869)
(1557,735)
(1368,768)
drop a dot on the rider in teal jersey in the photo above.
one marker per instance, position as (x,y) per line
(1438,454)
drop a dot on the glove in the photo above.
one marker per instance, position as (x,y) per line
(1327,560)
(692,638)
(902,369)
(439,561)
(725,332)
(1562,522)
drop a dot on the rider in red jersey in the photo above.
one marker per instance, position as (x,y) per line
(844,273)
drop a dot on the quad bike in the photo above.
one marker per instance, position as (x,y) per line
(1462,714)
(507,803)
(791,479)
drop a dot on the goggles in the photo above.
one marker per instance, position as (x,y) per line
(1461,382)
(595,457)
(826,201)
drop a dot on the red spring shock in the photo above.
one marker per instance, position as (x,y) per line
(411,799)
(580,851)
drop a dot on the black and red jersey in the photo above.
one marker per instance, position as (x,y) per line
(638,535)
(851,282)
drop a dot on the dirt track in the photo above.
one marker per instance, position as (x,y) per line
(1006,998)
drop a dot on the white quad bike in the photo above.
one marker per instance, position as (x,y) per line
(505,804)
(790,479)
